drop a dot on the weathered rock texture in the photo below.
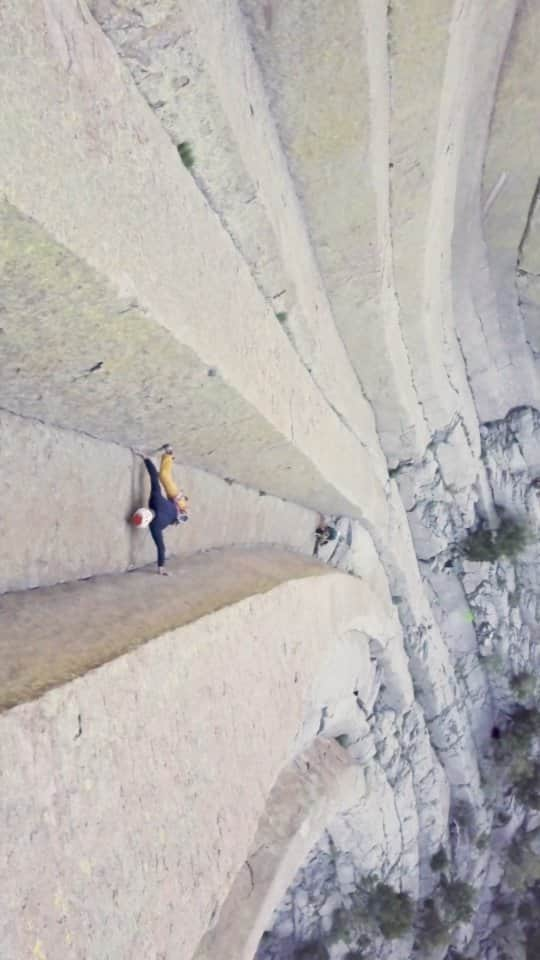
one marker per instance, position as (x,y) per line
(336,308)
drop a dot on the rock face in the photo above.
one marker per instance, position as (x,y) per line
(301,242)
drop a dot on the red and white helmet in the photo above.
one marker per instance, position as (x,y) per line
(142,517)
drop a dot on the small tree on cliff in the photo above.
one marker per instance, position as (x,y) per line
(459,900)
(311,951)
(483,545)
(392,911)
(527,785)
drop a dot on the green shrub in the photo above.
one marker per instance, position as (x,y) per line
(281,316)
(458,900)
(185,152)
(462,814)
(512,538)
(439,860)
(509,540)
(504,908)
(533,944)
(311,951)
(526,721)
(482,841)
(523,685)
(515,745)
(342,921)
(479,545)
(523,728)
(526,784)
(362,951)
(494,663)
(392,911)
(433,930)
(526,911)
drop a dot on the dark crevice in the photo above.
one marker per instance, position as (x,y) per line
(528,222)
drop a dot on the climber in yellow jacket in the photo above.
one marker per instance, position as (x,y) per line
(167,480)
(162,511)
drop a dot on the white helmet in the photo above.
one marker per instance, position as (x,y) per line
(142,517)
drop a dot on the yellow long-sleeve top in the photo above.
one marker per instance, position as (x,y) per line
(166,479)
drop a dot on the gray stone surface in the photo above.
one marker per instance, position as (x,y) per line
(51,635)
(260,731)
(66,499)
(106,781)
(60,321)
(70,498)
(172,257)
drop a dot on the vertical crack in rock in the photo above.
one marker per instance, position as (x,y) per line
(528,222)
